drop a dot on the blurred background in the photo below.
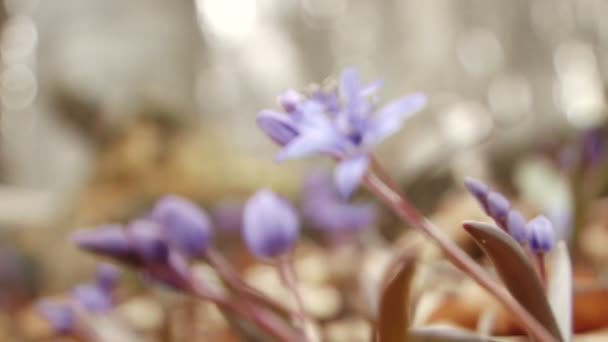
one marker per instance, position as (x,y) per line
(107,104)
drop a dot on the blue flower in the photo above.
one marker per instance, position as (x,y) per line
(326,210)
(343,123)
(186,226)
(270,224)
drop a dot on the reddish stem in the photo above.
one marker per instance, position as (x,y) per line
(259,316)
(392,196)
(236,283)
(288,278)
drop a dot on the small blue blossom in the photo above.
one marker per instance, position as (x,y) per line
(344,123)
(270,224)
(542,234)
(186,226)
(325,209)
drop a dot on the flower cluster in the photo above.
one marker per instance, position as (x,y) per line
(94,298)
(344,123)
(163,244)
(538,232)
(177,230)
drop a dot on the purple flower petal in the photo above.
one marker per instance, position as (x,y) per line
(391,117)
(349,172)
(307,144)
(270,225)
(277,126)
(329,99)
(542,234)
(186,226)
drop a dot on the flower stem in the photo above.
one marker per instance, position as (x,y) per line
(397,201)
(236,283)
(260,317)
(289,280)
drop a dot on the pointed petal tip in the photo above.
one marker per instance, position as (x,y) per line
(476,187)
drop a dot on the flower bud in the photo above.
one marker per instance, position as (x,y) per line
(498,207)
(147,240)
(270,225)
(60,316)
(110,240)
(541,234)
(477,189)
(517,226)
(185,225)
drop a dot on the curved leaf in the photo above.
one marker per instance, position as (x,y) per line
(515,270)
(560,290)
(393,311)
(440,334)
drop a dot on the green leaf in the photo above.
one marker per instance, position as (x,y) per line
(560,289)
(516,271)
(441,334)
(393,311)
